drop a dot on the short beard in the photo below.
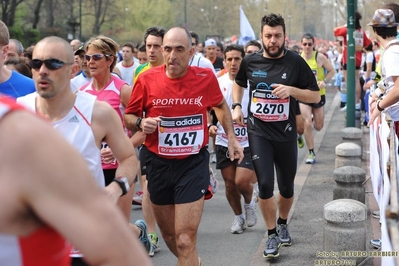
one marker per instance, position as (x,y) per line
(276,54)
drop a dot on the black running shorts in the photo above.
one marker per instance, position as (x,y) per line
(223,160)
(177,181)
(319,104)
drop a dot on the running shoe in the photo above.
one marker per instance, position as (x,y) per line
(376,214)
(284,235)
(376,243)
(250,214)
(213,157)
(301,143)
(255,193)
(238,225)
(144,235)
(138,199)
(273,243)
(154,244)
(213,181)
(311,159)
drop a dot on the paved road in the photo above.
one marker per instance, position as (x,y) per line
(217,246)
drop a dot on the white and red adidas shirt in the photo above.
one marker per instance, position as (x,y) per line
(44,247)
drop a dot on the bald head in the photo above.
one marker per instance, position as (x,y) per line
(180,34)
(75,42)
(177,52)
(64,48)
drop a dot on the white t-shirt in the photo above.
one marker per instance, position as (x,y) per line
(200,61)
(390,69)
(127,73)
(226,87)
(78,81)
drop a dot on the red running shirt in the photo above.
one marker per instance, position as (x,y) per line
(44,247)
(181,103)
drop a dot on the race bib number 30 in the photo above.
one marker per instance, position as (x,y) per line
(181,135)
(268,107)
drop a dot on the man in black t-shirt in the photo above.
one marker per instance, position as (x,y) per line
(277,77)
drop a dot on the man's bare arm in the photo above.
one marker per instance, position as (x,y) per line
(327,66)
(107,126)
(56,186)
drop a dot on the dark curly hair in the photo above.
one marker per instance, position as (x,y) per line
(272,20)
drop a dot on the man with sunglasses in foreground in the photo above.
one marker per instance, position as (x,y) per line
(80,117)
(12,83)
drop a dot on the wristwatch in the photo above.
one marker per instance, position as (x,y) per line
(234,105)
(123,183)
(138,123)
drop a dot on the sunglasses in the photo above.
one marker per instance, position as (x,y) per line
(307,44)
(96,57)
(51,64)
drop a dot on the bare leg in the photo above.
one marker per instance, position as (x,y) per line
(179,224)
(306,112)
(268,208)
(232,195)
(284,206)
(149,217)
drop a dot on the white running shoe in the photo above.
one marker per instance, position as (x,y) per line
(238,225)
(250,214)
(213,157)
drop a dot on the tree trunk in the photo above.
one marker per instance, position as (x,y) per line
(37,14)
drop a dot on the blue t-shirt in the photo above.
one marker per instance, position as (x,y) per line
(17,85)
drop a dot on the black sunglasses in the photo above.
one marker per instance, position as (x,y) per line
(51,64)
(96,57)
(307,44)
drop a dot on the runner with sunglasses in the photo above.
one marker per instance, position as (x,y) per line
(313,113)
(101,60)
(83,120)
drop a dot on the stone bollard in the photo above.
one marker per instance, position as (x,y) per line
(345,230)
(349,183)
(354,135)
(347,154)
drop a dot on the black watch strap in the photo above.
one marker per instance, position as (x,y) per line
(138,123)
(122,184)
(234,105)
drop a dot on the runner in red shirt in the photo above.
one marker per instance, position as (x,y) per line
(175,99)
(361,41)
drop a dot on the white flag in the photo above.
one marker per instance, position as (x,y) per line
(246,32)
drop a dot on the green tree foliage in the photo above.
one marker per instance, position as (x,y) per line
(126,20)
